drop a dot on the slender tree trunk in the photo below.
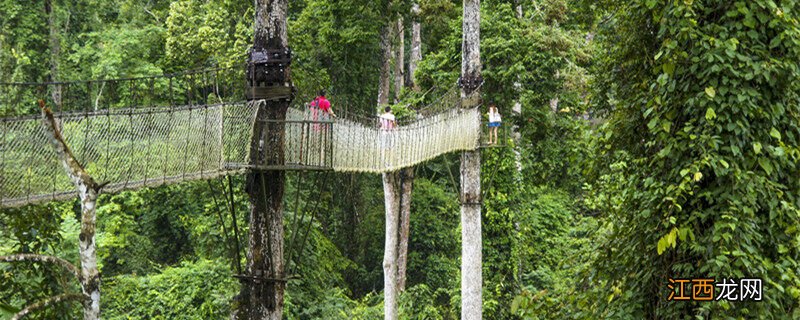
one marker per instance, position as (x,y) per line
(406,176)
(88,191)
(399,63)
(392,205)
(416,47)
(262,292)
(516,110)
(391,199)
(471,275)
(384,82)
(55,51)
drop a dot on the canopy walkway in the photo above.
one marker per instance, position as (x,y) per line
(126,140)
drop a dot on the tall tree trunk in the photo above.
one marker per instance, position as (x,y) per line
(55,51)
(391,200)
(399,62)
(516,110)
(384,81)
(88,191)
(415,55)
(471,281)
(392,205)
(390,195)
(262,292)
(406,176)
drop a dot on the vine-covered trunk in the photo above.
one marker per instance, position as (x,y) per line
(471,281)
(263,286)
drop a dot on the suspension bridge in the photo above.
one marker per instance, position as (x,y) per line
(150,131)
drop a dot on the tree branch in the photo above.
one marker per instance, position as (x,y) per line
(43,258)
(72,166)
(41,304)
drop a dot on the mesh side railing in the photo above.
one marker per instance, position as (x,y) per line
(357,147)
(362,148)
(126,148)
(144,147)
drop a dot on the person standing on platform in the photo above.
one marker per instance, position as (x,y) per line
(494,122)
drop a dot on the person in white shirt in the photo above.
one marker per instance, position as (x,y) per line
(494,122)
(388,123)
(387,119)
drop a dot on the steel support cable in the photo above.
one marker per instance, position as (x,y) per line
(232,204)
(299,185)
(311,221)
(299,225)
(225,233)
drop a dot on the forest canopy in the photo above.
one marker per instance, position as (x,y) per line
(643,141)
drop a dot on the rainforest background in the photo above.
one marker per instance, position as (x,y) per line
(655,139)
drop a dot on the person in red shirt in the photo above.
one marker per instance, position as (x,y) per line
(324,105)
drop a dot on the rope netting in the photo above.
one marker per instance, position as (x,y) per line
(146,147)
(126,148)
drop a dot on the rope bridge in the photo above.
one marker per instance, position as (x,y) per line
(134,147)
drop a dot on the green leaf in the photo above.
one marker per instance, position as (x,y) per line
(698,176)
(666,125)
(669,68)
(724,163)
(710,114)
(749,21)
(757,147)
(766,165)
(775,134)
(711,92)
(515,303)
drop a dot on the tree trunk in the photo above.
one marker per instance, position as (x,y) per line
(55,51)
(384,82)
(399,63)
(416,47)
(406,176)
(262,291)
(471,281)
(392,205)
(88,191)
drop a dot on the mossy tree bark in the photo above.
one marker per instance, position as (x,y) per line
(263,286)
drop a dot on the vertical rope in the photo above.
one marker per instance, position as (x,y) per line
(232,203)
(3,147)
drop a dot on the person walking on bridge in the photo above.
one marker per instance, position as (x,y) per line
(320,109)
(324,106)
(388,123)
